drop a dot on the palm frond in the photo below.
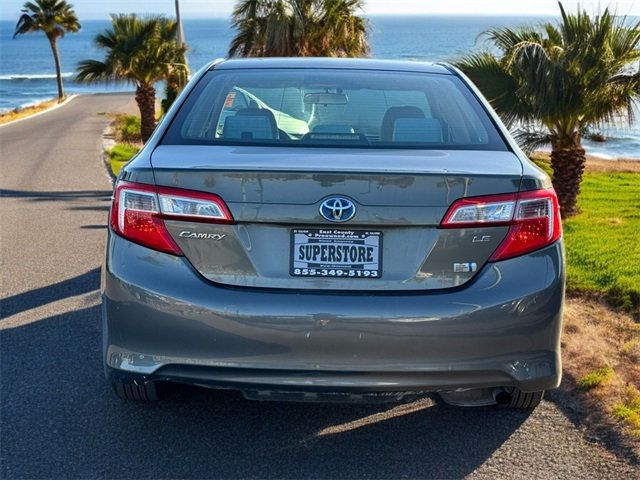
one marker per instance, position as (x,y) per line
(53,17)
(497,84)
(138,49)
(507,38)
(25,25)
(92,71)
(577,72)
(299,28)
(531,140)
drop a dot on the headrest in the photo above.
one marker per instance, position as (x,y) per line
(251,123)
(392,114)
(425,130)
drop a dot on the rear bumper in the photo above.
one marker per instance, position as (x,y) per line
(162,321)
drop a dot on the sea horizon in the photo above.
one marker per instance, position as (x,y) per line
(27,74)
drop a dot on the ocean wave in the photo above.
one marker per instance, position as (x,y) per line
(36,76)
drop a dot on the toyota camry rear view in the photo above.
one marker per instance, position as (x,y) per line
(329,229)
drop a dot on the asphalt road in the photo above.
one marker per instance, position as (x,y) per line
(59,418)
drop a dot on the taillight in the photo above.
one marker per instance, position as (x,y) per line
(139,210)
(533,218)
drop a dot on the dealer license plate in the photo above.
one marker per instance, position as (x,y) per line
(336,253)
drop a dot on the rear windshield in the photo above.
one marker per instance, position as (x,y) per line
(333,108)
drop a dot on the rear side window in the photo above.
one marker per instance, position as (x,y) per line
(333,108)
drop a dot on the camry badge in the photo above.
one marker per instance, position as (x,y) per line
(208,236)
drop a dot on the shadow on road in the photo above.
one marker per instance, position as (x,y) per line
(93,227)
(51,196)
(61,420)
(85,283)
(102,208)
(76,196)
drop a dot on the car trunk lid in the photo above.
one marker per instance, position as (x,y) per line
(275,195)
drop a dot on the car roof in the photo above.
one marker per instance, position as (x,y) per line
(336,63)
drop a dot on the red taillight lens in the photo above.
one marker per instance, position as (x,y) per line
(536,224)
(533,218)
(139,210)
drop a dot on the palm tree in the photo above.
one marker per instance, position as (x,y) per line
(554,82)
(139,50)
(54,18)
(299,28)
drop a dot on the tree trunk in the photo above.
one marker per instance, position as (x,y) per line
(567,161)
(146,99)
(56,60)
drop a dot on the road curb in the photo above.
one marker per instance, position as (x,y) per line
(108,142)
(67,100)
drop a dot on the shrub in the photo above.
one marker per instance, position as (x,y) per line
(598,377)
(629,409)
(127,129)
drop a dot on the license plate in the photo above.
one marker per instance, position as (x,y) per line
(336,253)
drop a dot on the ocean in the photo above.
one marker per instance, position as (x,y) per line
(27,71)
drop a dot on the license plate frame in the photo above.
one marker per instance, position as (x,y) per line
(316,263)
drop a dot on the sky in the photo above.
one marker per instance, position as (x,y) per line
(99,9)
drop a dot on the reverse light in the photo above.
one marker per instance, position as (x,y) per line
(139,210)
(533,218)
(477,211)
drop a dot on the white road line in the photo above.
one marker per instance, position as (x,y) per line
(67,100)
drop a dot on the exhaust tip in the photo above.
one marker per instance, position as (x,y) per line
(502,397)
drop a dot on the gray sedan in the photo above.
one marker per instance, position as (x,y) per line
(334,230)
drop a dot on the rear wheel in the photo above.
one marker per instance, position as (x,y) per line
(147,392)
(523,400)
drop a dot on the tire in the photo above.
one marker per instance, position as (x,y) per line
(524,400)
(147,392)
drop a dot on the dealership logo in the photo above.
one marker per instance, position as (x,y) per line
(337,209)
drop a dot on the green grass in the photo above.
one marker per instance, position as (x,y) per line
(630,415)
(120,154)
(628,410)
(603,240)
(596,378)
